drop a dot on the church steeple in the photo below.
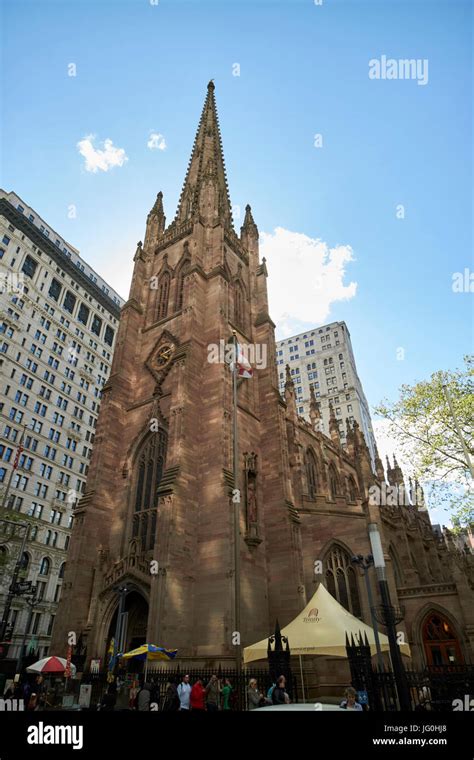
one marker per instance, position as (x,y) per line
(205,193)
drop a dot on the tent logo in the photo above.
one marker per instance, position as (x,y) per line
(312,616)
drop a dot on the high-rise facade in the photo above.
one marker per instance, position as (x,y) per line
(322,359)
(58,326)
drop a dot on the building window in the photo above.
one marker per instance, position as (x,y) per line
(351,489)
(45,565)
(69,302)
(149,471)
(96,325)
(29,266)
(83,314)
(311,474)
(54,289)
(183,271)
(238,304)
(341,581)
(333,482)
(109,335)
(163,296)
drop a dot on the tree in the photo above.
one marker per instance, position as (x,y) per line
(423,426)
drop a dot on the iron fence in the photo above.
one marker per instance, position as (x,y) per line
(159,679)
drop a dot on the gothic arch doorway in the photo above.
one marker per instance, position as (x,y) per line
(440,642)
(135,622)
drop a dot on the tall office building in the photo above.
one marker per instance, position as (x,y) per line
(58,321)
(322,359)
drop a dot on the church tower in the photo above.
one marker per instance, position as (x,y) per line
(157,515)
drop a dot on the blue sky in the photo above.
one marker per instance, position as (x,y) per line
(303,71)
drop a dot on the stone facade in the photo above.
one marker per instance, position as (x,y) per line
(160,481)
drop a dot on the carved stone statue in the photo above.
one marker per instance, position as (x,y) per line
(252,501)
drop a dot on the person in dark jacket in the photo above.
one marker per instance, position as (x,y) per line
(109,699)
(144,698)
(171,703)
(279,695)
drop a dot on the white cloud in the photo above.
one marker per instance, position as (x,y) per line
(103,159)
(306,277)
(156,141)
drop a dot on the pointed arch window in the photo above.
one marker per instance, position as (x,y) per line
(311,474)
(163,296)
(396,568)
(239,304)
(333,482)
(351,489)
(341,580)
(183,271)
(149,471)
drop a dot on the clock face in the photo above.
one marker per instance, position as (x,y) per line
(165,352)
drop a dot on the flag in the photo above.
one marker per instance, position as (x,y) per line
(18,453)
(244,368)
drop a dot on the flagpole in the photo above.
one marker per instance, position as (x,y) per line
(236,512)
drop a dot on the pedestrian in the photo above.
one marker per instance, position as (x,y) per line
(107,703)
(27,693)
(424,697)
(184,693)
(172,701)
(155,695)
(226,692)
(350,700)
(279,694)
(143,698)
(268,698)
(212,694)
(255,697)
(197,696)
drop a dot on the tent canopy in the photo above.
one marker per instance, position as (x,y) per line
(320,629)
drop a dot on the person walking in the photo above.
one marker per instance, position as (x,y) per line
(212,694)
(255,697)
(197,696)
(184,693)
(226,692)
(279,695)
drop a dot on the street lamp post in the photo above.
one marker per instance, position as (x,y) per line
(389,619)
(365,564)
(32,604)
(14,581)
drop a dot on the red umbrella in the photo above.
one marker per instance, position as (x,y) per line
(51,665)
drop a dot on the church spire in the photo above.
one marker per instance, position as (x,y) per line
(155,223)
(205,193)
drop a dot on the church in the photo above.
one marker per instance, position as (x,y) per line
(158,513)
